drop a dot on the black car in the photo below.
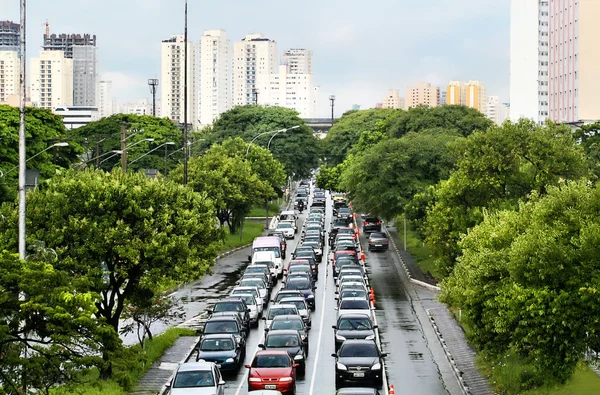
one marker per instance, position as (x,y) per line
(224,350)
(371,224)
(351,327)
(233,305)
(308,256)
(305,285)
(225,324)
(286,293)
(288,340)
(341,262)
(291,322)
(357,391)
(378,242)
(358,361)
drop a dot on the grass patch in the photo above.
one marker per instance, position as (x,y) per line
(414,245)
(127,368)
(260,211)
(584,381)
(250,232)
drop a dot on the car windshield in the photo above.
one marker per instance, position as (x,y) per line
(282,311)
(257,269)
(220,307)
(217,345)
(220,327)
(284,225)
(362,350)
(357,324)
(274,249)
(287,324)
(283,341)
(245,291)
(354,305)
(271,361)
(346,231)
(192,379)
(353,293)
(284,294)
(371,220)
(249,300)
(344,262)
(300,269)
(252,282)
(312,241)
(298,283)
(344,210)
(300,304)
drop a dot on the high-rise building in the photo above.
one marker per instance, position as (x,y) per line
(172,80)
(299,61)
(475,95)
(495,111)
(51,79)
(394,100)
(423,94)
(284,89)
(442,97)
(10,39)
(10,69)
(456,93)
(82,49)
(254,56)
(356,107)
(139,107)
(106,101)
(573,64)
(215,75)
(529,56)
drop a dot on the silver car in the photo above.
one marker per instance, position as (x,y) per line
(302,307)
(197,378)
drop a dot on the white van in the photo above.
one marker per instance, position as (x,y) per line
(268,256)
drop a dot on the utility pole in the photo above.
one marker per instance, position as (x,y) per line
(124,152)
(153,84)
(332,100)
(185,98)
(22,137)
(255,93)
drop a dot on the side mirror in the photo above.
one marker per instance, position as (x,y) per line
(334,327)
(385,354)
(267,329)
(334,355)
(337,298)
(261,346)
(296,365)
(222,382)
(247,366)
(264,318)
(248,310)
(375,326)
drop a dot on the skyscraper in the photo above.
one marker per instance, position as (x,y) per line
(51,79)
(215,75)
(456,93)
(495,111)
(106,103)
(299,61)
(10,36)
(10,67)
(423,94)
(255,55)
(172,80)
(476,95)
(83,51)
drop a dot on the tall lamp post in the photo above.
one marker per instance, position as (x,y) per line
(153,84)
(332,100)
(280,131)
(124,152)
(22,134)
(185,98)
(189,145)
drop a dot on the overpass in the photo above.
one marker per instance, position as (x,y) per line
(319,125)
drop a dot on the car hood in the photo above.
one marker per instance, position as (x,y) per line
(355,334)
(358,311)
(355,361)
(270,373)
(212,356)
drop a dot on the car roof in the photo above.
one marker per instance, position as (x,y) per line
(353,299)
(218,336)
(288,317)
(294,299)
(194,366)
(282,306)
(224,316)
(229,300)
(283,332)
(272,352)
(349,316)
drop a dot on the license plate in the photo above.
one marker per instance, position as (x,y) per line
(270,387)
(359,375)
(378,245)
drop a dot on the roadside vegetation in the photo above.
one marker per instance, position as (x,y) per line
(505,216)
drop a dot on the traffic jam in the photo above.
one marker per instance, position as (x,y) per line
(257,340)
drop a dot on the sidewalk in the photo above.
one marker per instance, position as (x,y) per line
(153,382)
(451,336)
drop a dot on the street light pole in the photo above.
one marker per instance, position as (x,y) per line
(332,100)
(22,134)
(152,150)
(153,84)
(280,131)
(185,98)
(263,133)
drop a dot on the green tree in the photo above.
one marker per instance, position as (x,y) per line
(50,336)
(459,119)
(228,181)
(383,179)
(43,129)
(298,149)
(103,136)
(528,280)
(589,137)
(348,130)
(114,231)
(495,170)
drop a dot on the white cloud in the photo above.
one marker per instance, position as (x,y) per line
(126,87)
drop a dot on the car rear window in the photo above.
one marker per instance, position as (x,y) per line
(220,327)
(377,236)
(231,306)
(287,324)
(372,219)
(354,305)
(282,311)
(297,284)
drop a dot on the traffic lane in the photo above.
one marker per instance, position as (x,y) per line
(196,297)
(410,363)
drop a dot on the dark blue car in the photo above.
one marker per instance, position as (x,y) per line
(224,350)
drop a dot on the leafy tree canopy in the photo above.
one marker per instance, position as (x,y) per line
(382,179)
(297,149)
(495,170)
(528,280)
(460,119)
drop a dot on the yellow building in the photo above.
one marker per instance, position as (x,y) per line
(475,96)
(456,93)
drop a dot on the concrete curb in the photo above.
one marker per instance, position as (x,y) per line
(163,389)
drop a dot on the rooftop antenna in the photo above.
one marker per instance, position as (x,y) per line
(47,26)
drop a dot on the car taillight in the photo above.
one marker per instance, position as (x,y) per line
(387,241)
(378,222)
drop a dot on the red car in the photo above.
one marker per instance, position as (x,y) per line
(272,370)
(349,253)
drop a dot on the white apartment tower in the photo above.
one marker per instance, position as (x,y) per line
(172,80)
(9,74)
(495,111)
(254,56)
(51,79)
(423,94)
(299,61)
(106,103)
(394,100)
(215,75)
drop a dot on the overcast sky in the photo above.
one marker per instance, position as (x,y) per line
(361,48)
